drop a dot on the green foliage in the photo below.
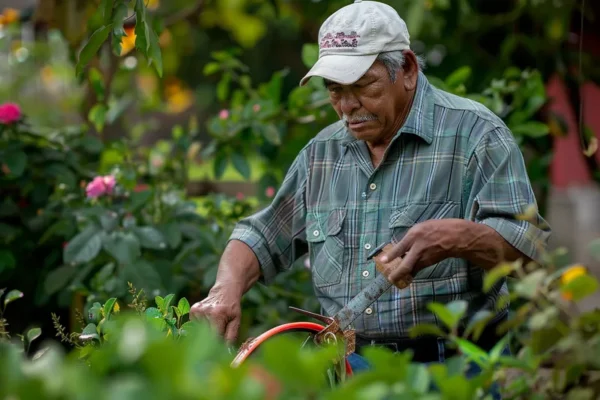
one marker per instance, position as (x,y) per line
(30,335)
(112,14)
(154,351)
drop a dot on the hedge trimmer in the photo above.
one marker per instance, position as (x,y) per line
(337,329)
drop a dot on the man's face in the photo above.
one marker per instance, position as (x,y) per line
(373,108)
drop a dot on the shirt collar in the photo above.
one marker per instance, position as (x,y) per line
(420,118)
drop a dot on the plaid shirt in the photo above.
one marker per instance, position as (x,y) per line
(453,158)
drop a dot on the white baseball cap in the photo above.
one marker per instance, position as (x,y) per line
(351,39)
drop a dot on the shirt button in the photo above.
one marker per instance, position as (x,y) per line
(373,186)
(365,273)
(316,233)
(368,246)
(369,311)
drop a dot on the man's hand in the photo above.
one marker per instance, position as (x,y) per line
(424,244)
(222,310)
(432,241)
(238,271)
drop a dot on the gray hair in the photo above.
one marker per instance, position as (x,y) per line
(395,60)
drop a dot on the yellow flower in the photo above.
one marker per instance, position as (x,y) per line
(128,41)
(572,273)
(178,97)
(10,15)
(568,276)
(116,307)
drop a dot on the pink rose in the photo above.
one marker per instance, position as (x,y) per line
(109,182)
(100,185)
(239,196)
(256,107)
(270,192)
(223,114)
(9,113)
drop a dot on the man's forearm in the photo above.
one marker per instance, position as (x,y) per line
(483,246)
(238,269)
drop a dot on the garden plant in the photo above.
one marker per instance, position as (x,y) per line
(101,240)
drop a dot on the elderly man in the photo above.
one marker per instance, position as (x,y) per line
(438,176)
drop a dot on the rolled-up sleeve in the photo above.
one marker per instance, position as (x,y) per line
(499,194)
(276,234)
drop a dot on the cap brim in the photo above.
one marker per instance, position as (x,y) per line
(341,69)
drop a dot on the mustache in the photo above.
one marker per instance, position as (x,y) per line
(358,118)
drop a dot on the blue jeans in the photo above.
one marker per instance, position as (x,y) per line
(359,363)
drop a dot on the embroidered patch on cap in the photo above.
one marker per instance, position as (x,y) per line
(340,39)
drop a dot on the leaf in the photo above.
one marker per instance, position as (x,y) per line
(498,348)
(495,274)
(418,378)
(592,147)
(168,300)
(97,82)
(472,351)
(109,220)
(172,234)
(16,161)
(458,77)
(220,164)
(118,19)
(12,296)
(451,313)
(142,274)
(108,307)
(84,247)
(223,86)
(58,278)
(142,40)
(241,164)
(150,237)
(271,133)
(139,199)
(90,332)
(528,286)
(153,312)
(310,54)
(160,302)
(91,47)
(478,323)
(97,116)
(155,55)
(106,7)
(210,68)
(123,246)
(7,260)
(581,287)
(95,313)
(33,334)
(426,329)
(183,306)
(533,129)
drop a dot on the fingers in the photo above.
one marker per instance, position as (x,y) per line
(231,332)
(406,267)
(224,320)
(396,250)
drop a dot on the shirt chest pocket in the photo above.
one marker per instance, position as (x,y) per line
(326,240)
(402,219)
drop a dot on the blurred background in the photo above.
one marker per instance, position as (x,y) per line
(210,140)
